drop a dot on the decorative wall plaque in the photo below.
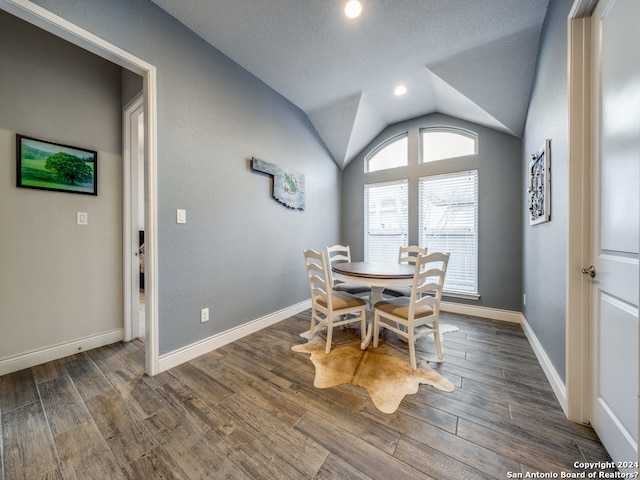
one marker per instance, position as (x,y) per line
(288,186)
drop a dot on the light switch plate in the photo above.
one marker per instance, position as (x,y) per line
(82,218)
(181,216)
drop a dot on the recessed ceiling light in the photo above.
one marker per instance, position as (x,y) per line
(353,8)
(400,90)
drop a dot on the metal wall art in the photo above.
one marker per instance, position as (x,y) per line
(288,186)
(539,185)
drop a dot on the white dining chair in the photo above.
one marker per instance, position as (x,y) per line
(327,303)
(416,316)
(406,255)
(342,253)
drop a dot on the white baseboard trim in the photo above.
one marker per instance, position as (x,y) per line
(54,352)
(484,312)
(184,354)
(558,386)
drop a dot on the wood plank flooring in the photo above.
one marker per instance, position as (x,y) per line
(249,411)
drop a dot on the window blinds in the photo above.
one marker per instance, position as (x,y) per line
(385,220)
(448,222)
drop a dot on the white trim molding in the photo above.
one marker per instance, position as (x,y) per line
(556,382)
(578,302)
(185,354)
(130,236)
(483,312)
(48,354)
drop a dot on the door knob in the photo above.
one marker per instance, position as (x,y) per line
(591,271)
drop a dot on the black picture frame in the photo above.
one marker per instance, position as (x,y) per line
(45,165)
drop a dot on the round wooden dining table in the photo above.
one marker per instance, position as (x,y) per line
(376,275)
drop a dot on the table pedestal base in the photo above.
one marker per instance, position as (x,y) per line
(376,296)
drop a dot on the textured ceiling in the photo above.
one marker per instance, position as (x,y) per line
(472,59)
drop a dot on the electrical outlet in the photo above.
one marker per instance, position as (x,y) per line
(204,315)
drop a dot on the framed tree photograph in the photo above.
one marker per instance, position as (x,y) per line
(45,165)
(539,185)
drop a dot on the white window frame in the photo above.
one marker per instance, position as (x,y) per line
(462,213)
(385,231)
(373,153)
(451,130)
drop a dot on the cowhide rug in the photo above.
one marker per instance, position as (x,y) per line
(384,372)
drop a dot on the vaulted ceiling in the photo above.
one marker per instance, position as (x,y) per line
(471,59)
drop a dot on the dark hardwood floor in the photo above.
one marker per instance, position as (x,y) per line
(249,410)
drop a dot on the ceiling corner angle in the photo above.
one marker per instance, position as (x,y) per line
(335,123)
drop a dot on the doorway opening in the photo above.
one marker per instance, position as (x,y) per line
(62,28)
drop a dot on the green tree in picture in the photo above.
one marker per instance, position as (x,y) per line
(69,168)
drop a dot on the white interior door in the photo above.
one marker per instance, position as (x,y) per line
(616,229)
(134,221)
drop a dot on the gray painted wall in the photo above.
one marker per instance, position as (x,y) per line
(499,198)
(240,252)
(545,245)
(58,281)
(131,86)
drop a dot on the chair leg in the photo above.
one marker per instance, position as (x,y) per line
(312,330)
(329,335)
(376,329)
(363,325)
(436,339)
(412,347)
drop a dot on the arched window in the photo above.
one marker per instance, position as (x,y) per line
(447,210)
(442,143)
(391,154)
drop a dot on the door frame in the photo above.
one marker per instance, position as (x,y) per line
(579,373)
(578,303)
(131,190)
(62,28)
